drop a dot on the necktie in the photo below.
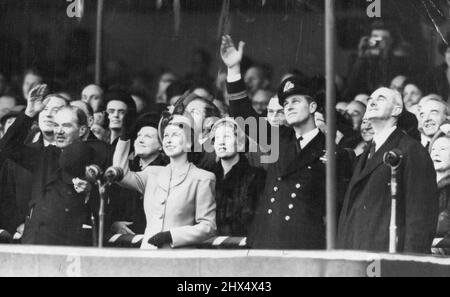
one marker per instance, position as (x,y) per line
(298,146)
(371,150)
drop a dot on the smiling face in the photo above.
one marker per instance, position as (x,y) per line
(432,115)
(175,141)
(298,110)
(116,112)
(67,130)
(47,115)
(147,142)
(440,154)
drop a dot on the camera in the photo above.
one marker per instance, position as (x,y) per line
(375,42)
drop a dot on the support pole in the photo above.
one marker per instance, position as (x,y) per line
(331,189)
(98,43)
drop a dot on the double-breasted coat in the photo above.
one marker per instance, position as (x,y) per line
(365,216)
(291,211)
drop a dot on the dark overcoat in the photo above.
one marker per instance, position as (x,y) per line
(365,216)
(291,211)
(57,213)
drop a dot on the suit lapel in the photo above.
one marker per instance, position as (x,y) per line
(377,158)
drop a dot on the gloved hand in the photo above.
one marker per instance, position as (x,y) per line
(161,239)
(129,125)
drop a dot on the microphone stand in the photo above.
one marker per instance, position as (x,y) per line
(393,239)
(393,236)
(101,212)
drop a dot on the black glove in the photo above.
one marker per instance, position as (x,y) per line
(160,239)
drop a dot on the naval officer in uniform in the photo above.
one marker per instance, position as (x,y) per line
(290,213)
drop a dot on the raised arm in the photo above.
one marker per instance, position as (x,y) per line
(132,180)
(12,144)
(240,105)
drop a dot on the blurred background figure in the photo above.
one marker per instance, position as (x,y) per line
(260,100)
(165,80)
(93,95)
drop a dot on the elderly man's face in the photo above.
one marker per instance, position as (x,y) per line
(67,130)
(47,115)
(92,95)
(382,105)
(432,115)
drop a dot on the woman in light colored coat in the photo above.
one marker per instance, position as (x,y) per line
(179,199)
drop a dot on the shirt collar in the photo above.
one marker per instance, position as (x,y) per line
(425,140)
(381,137)
(307,137)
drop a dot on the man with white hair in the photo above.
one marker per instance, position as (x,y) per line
(433,113)
(365,216)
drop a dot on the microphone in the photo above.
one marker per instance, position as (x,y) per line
(93,173)
(393,158)
(114,174)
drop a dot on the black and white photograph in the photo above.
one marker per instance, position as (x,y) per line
(225,145)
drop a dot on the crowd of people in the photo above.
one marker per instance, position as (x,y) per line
(178,195)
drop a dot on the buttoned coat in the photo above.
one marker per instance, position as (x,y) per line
(291,211)
(183,204)
(365,216)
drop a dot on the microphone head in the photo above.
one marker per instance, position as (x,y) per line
(114,174)
(393,158)
(93,172)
